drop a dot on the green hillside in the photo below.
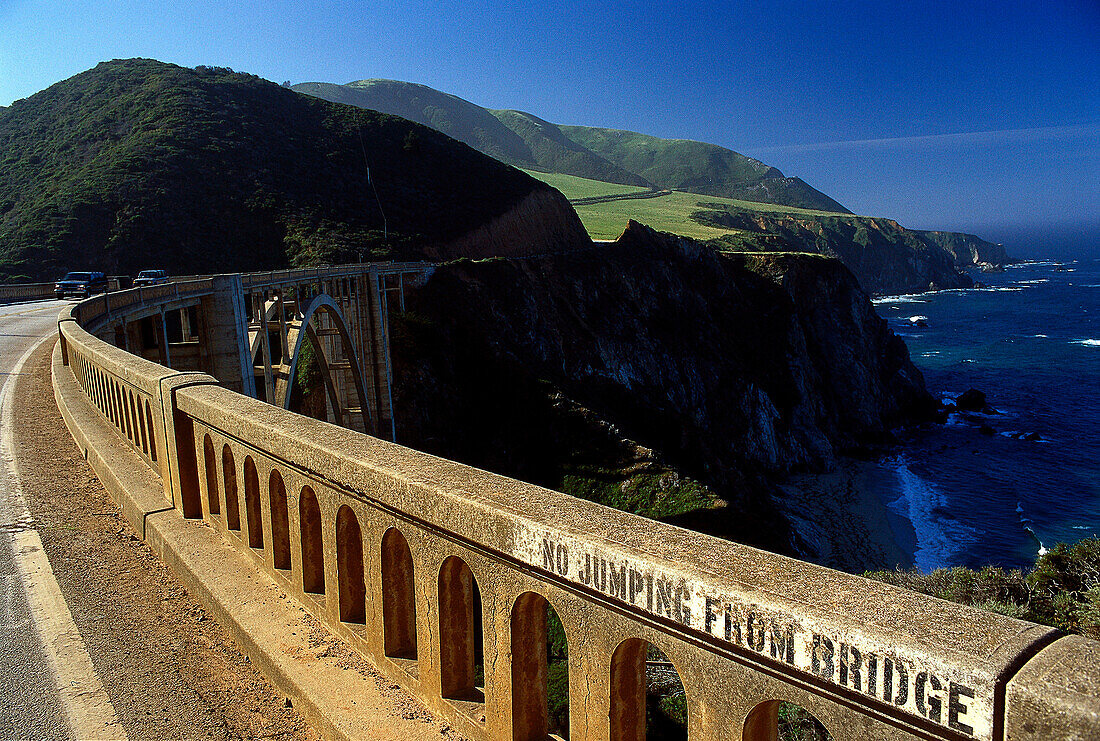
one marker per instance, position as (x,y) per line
(609,155)
(137,163)
(573,187)
(676,212)
(515,139)
(699,168)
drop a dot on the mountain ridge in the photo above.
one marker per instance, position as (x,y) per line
(612,155)
(137,163)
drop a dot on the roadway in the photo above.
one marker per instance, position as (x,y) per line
(30,704)
(90,621)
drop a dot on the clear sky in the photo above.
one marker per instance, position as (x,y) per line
(957,115)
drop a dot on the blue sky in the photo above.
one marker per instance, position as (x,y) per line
(957,115)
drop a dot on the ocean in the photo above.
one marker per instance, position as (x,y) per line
(1030,341)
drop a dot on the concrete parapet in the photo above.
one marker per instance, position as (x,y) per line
(442,574)
(268,625)
(1055,694)
(25,292)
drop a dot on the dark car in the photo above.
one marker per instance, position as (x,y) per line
(151,278)
(80,284)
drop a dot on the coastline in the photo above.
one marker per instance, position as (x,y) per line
(843,520)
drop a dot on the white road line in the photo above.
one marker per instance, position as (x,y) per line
(87,707)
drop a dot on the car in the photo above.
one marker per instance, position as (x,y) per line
(80,284)
(151,278)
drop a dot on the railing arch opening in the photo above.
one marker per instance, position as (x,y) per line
(349,567)
(131,417)
(116,404)
(252,504)
(210,469)
(540,671)
(143,429)
(313,553)
(772,720)
(460,633)
(398,597)
(280,521)
(152,432)
(116,400)
(232,502)
(662,713)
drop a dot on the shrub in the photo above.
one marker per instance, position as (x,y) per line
(1062,590)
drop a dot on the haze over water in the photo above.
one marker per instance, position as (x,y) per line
(1031,342)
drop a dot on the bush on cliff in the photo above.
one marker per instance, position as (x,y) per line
(1062,589)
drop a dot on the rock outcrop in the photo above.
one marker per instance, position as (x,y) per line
(711,374)
(886,257)
(969,250)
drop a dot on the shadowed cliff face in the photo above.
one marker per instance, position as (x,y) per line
(969,250)
(543,221)
(653,370)
(886,257)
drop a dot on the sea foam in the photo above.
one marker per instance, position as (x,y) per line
(939,536)
(912,298)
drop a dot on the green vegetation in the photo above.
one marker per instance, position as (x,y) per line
(676,213)
(609,155)
(797,724)
(573,187)
(557,661)
(698,167)
(1062,590)
(139,163)
(654,494)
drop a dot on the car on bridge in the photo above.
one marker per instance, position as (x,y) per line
(80,284)
(151,278)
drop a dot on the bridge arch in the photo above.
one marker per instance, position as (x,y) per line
(298,332)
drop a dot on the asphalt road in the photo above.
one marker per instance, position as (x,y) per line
(108,645)
(30,707)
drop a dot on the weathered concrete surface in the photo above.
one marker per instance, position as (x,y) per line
(340,699)
(1055,694)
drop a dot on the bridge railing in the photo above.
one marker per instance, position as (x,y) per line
(93,312)
(444,575)
(25,291)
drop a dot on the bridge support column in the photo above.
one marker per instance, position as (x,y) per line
(225,336)
(375,351)
(176,446)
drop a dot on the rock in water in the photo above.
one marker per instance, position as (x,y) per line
(973,400)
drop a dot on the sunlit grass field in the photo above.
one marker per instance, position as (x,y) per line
(671,213)
(575,187)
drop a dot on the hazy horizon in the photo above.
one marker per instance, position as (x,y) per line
(980,117)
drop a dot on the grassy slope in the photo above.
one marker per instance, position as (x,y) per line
(577,187)
(138,163)
(509,136)
(671,213)
(698,167)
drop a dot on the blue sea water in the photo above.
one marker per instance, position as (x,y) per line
(1031,342)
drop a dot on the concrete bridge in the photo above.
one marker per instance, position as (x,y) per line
(443,576)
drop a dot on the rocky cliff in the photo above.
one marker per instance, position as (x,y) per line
(968,249)
(654,374)
(886,257)
(542,222)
